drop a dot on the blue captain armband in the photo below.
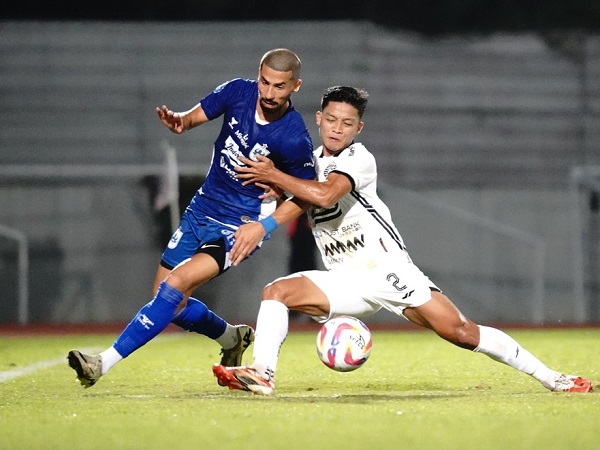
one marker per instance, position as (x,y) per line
(269,224)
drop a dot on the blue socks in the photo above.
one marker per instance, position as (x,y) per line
(149,321)
(198,318)
(155,316)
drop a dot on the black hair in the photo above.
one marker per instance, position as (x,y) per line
(346,94)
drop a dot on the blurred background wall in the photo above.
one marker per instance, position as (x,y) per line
(487,148)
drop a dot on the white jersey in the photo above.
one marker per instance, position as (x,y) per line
(357,232)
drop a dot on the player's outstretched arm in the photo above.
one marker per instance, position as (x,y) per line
(178,122)
(320,193)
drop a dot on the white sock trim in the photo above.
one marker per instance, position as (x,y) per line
(229,338)
(110,357)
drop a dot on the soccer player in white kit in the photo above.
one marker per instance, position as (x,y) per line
(368,267)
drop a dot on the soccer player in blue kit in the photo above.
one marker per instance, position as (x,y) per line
(258,119)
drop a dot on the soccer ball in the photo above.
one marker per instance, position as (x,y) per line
(344,343)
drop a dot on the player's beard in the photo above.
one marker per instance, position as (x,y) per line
(271,108)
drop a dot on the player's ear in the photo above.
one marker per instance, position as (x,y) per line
(360,127)
(297,85)
(318,117)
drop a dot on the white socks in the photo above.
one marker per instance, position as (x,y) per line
(229,338)
(271,331)
(110,357)
(502,348)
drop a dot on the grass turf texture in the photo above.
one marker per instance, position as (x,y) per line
(416,392)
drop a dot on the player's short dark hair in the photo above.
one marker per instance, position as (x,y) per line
(346,94)
(282,60)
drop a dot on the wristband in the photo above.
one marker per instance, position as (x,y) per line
(269,224)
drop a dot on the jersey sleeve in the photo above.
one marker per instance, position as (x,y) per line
(215,103)
(359,166)
(299,162)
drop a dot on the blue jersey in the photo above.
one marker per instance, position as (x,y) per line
(285,141)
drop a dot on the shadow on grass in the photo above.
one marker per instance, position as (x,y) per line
(311,397)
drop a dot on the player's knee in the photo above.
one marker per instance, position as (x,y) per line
(275,291)
(177,282)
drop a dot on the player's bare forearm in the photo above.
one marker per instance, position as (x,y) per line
(322,194)
(289,210)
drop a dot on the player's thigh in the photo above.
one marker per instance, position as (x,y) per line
(193,272)
(298,293)
(345,291)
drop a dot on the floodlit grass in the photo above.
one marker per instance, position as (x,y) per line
(415,392)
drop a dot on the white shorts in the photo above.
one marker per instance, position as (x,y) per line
(362,292)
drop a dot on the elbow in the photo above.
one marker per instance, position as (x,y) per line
(325,202)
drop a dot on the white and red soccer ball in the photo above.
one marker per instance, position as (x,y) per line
(344,343)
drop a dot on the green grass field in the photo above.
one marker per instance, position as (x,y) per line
(415,392)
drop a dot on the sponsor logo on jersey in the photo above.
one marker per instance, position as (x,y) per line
(243,138)
(339,247)
(232,123)
(230,157)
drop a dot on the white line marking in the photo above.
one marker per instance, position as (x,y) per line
(15,373)
(9,375)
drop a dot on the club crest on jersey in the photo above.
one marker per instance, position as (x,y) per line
(330,168)
(258,149)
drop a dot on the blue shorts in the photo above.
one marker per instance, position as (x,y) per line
(200,235)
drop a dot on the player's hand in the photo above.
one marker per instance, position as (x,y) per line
(258,171)
(170,119)
(271,192)
(247,237)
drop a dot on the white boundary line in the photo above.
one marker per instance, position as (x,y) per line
(15,373)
